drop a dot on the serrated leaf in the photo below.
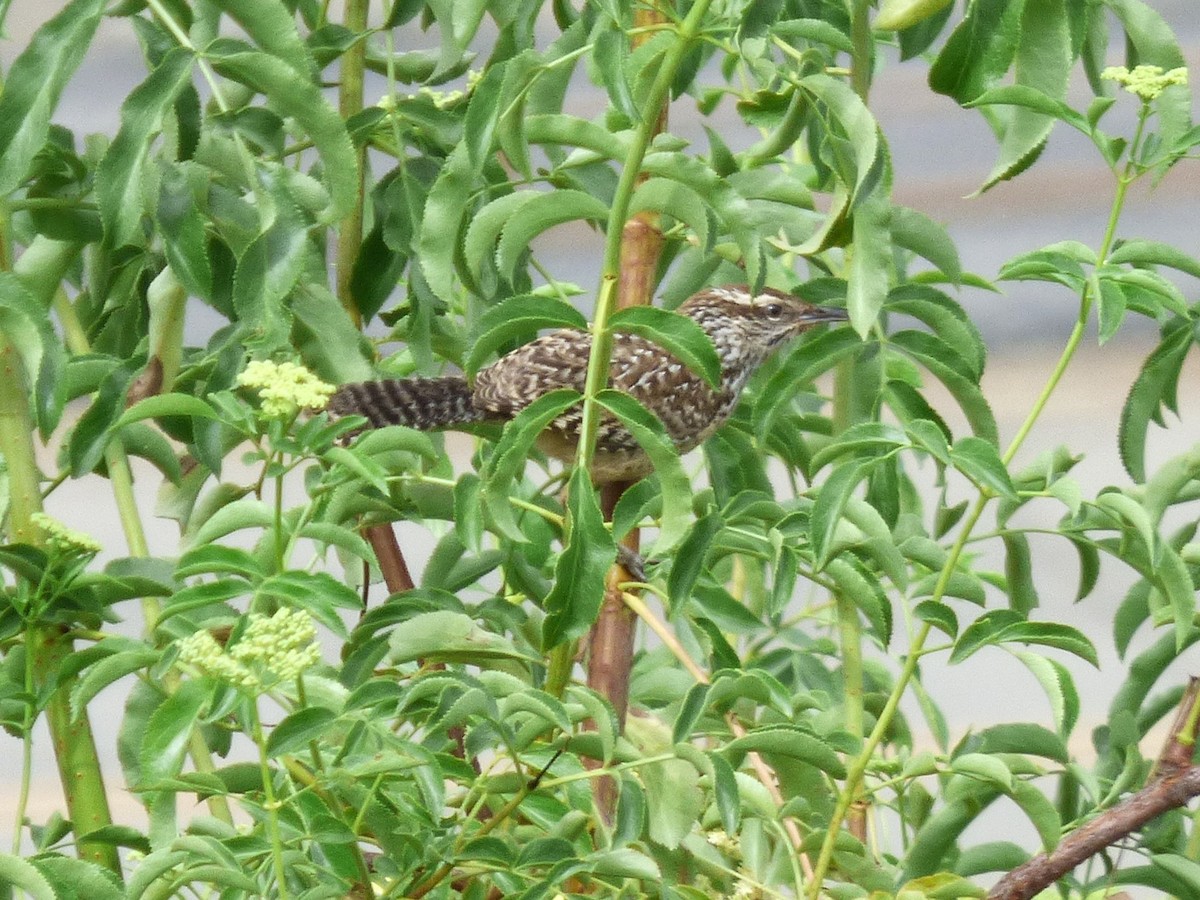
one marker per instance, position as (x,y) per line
(827,508)
(671,198)
(688,562)
(579,573)
(915,231)
(953,372)
(871,263)
(519,317)
(448,202)
(983,767)
(20,873)
(121,174)
(544,211)
(980,461)
(1059,687)
(857,124)
(168,731)
(1154,388)
(34,83)
(677,333)
(106,672)
(1154,253)
(299,729)
(1042,62)
(673,481)
(791,742)
(161,405)
(446,636)
(1018,572)
(303,101)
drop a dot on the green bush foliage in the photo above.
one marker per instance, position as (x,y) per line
(444,743)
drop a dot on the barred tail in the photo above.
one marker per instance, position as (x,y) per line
(423,403)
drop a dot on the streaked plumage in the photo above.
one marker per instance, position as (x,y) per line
(744,328)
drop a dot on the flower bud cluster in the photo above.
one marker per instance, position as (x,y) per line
(1145,81)
(63,540)
(271,649)
(285,387)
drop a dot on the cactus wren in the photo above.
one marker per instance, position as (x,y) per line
(744,327)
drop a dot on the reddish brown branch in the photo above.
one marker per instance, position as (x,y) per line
(1175,782)
(391,559)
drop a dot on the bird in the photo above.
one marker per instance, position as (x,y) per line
(745,326)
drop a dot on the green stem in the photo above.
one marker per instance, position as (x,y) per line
(562,657)
(350,103)
(120,477)
(270,803)
(858,766)
(601,353)
(30,642)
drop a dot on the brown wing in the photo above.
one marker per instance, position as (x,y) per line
(557,360)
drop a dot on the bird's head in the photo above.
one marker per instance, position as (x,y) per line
(741,321)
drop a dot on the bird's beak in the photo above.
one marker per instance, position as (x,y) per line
(818,314)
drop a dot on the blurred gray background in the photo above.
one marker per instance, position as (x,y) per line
(941,155)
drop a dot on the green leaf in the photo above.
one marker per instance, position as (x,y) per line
(811,358)
(980,461)
(448,202)
(1154,388)
(35,82)
(680,202)
(19,873)
(1059,687)
(871,264)
(1031,98)
(829,504)
(1154,253)
(1041,812)
(446,636)
(978,51)
(1112,308)
(865,439)
(624,863)
(791,742)
(273,28)
(483,112)
(168,731)
(574,601)
(951,370)
(983,767)
(512,451)
(688,562)
(486,225)
(1043,62)
(516,318)
(122,173)
(1018,572)
(267,270)
(675,485)
(855,161)
(302,100)
(945,317)
(75,878)
(298,730)
(1171,576)
(107,671)
(896,15)
(685,339)
(544,211)
(245,512)
(161,405)
(915,231)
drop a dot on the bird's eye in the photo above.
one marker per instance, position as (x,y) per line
(773,310)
